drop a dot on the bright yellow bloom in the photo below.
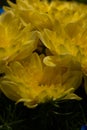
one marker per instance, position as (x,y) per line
(69,36)
(34,12)
(68,12)
(69,40)
(58,42)
(32,82)
(45,45)
(16,41)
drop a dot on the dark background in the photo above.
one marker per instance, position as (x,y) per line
(3,2)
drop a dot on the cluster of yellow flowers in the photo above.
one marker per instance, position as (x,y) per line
(43,50)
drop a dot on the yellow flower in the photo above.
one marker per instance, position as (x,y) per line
(69,40)
(16,41)
(68,12)
(56,29)
(67,64)
(31,82)
(58,42)
(34,12)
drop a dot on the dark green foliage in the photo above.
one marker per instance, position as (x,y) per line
(63,115)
